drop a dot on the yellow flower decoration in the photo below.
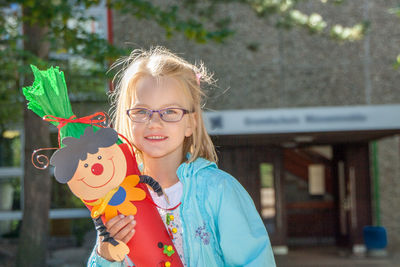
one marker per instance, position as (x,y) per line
(120,200)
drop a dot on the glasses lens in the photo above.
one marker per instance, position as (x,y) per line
(171,114)
(139,114)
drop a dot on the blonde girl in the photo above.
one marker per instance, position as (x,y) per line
(157,104)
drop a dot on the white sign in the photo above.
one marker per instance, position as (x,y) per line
(303,120)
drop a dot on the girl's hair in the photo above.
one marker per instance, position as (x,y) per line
(159,62)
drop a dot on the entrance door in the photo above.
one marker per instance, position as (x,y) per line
(354,193)
(344,187)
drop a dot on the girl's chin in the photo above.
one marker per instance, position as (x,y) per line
(156,155)
(162,154)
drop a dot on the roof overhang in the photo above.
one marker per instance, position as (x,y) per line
(316,125)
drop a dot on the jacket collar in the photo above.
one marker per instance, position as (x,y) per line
(187,170)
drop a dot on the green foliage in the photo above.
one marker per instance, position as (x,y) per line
(396,11)
(397,63)
(10,149)
(79,229)
(288,16)
(9,82)
(349,33)
(170,18)
(62,197)
(14,230)
(81,54)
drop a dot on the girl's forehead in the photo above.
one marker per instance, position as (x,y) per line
(159,92)
(149,82)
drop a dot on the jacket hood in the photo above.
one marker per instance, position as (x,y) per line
(186,170)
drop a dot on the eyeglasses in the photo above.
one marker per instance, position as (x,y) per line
(166,114)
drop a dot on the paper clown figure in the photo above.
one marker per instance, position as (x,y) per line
(102,171)
(95,169)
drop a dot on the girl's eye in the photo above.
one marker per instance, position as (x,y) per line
(140,112)
(99,157)
(86,165)
(170,111)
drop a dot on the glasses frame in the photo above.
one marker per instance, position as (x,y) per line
(185,111)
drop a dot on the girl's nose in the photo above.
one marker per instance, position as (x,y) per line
(97,169)
(154,119)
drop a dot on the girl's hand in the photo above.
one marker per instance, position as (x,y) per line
(121,228)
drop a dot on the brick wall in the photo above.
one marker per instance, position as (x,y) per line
(264,67)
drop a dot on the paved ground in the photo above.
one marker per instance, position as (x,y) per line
(62,252)
(300,257)
(332,257)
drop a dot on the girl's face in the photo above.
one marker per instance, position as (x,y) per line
(156,138)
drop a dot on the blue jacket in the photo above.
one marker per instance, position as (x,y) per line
(220,223)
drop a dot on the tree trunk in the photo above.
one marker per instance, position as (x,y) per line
(32,249)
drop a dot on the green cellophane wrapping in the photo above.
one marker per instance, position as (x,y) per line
(48,95)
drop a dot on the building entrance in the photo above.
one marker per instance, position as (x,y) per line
(307,169)
(310,195)
(307,196)
(327,194)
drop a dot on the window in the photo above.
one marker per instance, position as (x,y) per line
(267,191)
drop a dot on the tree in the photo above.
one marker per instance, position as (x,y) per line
(37,184)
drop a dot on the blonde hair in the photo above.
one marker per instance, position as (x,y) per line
(159,62)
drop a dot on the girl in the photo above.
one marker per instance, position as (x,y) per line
(212,218)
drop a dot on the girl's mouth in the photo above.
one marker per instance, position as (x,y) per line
(156,138)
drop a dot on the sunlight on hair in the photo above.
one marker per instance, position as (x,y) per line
(159,62)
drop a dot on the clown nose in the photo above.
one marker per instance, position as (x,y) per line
(97,169)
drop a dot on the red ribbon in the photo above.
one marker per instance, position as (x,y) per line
(149,198)
(73,119)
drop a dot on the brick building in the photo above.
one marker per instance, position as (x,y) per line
(262,68)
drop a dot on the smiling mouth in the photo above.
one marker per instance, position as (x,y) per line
(112,176)
(156,138)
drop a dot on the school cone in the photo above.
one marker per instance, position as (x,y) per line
(152,244)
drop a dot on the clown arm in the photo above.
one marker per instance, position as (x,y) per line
(153,183)
(115,249)
(102,230)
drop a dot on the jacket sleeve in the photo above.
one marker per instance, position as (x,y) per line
(95,260)
(243,238)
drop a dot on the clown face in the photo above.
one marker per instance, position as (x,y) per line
(99,173)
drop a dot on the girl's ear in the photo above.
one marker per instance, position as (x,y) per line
(192,124)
